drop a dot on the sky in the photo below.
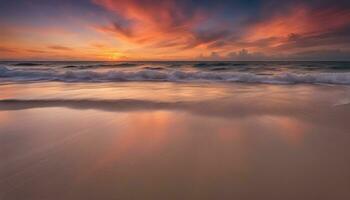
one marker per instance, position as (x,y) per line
(174,30)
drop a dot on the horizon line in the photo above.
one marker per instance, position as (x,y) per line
(175,60)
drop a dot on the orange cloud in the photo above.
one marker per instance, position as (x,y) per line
(59,47)
(161,24)
(279,26)
(299,23)
(180,30)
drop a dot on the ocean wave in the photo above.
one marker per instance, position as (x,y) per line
(28,64)
(154,68)
(219,69)
(101,65)
(342,102)
(174,76)
(217,64)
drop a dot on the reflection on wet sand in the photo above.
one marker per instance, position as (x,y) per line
(290,128)
(4,118)
(276,142)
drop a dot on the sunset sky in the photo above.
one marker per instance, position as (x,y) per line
(174,30)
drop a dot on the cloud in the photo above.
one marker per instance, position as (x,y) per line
(303,26)
(156,24)
(182,25)
(122,29)
(7,50)
(241,55)
(245,55)
(207,37)
(330,54)
(60,48)
(36,51)
(335,37)
(178,29)
(160,13)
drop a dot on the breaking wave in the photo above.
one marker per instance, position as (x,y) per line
(174,76)
(218,64)
(28,64)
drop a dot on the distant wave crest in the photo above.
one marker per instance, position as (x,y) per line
(173,76)
(101,65)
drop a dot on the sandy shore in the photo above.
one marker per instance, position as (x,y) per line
(174,141)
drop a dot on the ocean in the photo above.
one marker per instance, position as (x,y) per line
(245,72)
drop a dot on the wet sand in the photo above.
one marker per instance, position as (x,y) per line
(174,141)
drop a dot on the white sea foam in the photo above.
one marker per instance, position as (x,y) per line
(7,74)
(342,102)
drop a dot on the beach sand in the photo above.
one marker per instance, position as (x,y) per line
(159,140)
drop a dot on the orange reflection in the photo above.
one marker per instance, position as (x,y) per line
(230,135)
(143,133)
(4,117)
(7,91)
(291,129)
(146,91)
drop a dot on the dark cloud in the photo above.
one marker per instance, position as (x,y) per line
(207,37)
(245,55)
(326,55)
(294,37)
(241,55)
(332,37)
(123,29)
